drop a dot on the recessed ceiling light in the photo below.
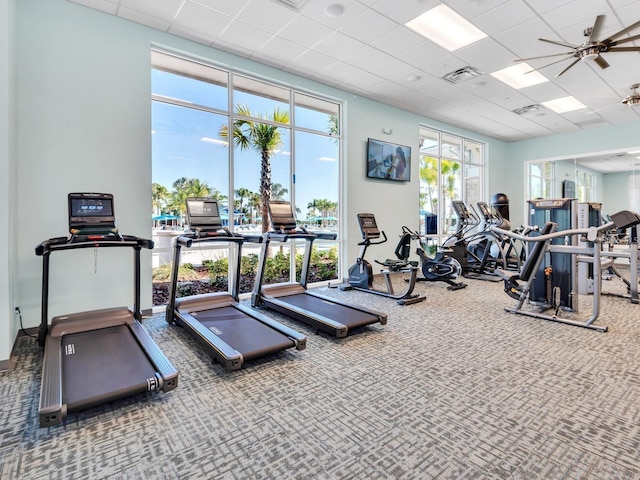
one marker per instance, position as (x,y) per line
(445,27)
(334,10)
(564,104)
(519,76)
(413,78)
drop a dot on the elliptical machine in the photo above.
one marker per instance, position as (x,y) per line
(440,268)
(361,272)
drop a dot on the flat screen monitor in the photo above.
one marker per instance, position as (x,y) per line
(388,161)
(203,213)
(91,210)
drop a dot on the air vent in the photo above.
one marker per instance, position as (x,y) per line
(292,4)
(528,109)
(462,74)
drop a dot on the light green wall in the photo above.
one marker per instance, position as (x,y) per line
(616,189)
(8,327)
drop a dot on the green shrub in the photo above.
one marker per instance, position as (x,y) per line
(186,272)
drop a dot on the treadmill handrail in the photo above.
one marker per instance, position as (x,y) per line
(45,248)
(63,243)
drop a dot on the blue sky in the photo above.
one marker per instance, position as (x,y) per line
(186,142)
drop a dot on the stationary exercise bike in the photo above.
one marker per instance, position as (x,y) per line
(361,273)
(442,267)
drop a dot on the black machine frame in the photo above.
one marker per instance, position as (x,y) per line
(231,333)
(293,299)
(101,355)
(361,273)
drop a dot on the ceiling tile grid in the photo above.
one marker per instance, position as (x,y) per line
(363,46)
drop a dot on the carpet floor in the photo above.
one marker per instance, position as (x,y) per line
(451,388)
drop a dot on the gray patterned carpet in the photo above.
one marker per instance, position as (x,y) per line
(451,388)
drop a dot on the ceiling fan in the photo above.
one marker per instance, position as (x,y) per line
(633,98)
(592,48)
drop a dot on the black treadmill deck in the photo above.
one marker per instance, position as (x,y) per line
(347,316)
(92,373)
(243,333)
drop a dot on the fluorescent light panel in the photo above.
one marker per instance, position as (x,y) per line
(445,27)
(519,76)
(564,104)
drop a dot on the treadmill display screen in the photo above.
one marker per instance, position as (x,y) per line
(281,215)
(203,212)
(81,207)
(91,209)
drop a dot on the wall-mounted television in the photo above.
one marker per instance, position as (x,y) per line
(388,161)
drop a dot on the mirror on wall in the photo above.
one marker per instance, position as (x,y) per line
(612,179)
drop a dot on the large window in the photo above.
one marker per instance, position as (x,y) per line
(540,180)
(242,140)
(451,168)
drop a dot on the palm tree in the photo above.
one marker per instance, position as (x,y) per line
(278,191)
(241,194)
(313,207)
(159,196)
(197,188)
(255,204)
(263,138)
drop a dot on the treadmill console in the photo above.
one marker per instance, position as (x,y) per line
(203,215)
(91,215)
(281,216)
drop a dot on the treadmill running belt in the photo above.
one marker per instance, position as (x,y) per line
(102,365)
(243,333)
(350,317)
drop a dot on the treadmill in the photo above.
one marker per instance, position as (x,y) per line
(97,356)
(231,333)
(292,298)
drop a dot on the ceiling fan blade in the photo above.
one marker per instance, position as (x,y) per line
(568,67)
(542,56)
(595,30)
(601,62)
(624,40)
(621,32)
(624,49)
(558,43)
(545,66)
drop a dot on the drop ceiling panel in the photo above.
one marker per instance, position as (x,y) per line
(317,9)
(368,26)
(245,35)
(164,9)
(225,6)
(398,40)
(503,17)
(202,20)
(305,31)
(368,50)
(369,59)
(257,12)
